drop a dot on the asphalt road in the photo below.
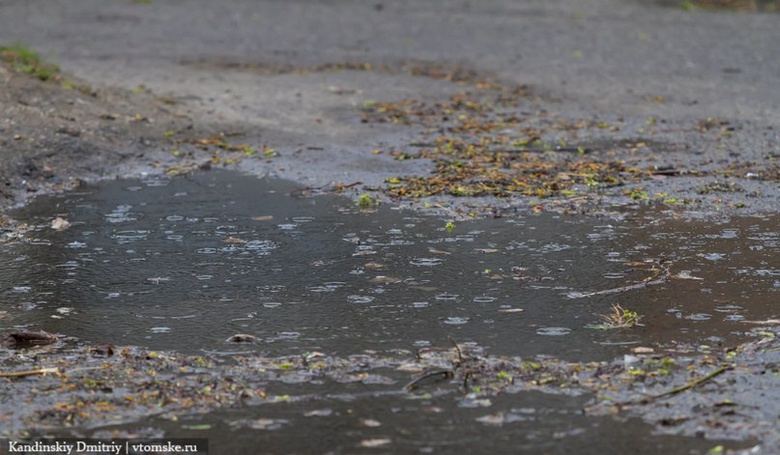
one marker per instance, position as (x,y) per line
(595,58)
(605,54)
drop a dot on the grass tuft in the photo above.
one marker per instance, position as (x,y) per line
(25,60)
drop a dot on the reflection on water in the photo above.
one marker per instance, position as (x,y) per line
(185,263)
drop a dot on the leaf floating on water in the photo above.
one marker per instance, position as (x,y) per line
(27,338)
(242,338)
(263,218)
(59,224)
(510,310)
(319,413)
(381,279)
(378,442)
(492,419)
(197,427)
(102,350)
(233,240)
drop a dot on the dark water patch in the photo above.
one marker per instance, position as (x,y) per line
(527,423)
(186,263)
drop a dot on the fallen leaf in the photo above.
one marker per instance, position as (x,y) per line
(59,224)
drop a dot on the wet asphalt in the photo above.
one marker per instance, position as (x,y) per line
(597,59)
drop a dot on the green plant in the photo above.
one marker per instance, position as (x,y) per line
(366,201)
(25,60)
(620,317)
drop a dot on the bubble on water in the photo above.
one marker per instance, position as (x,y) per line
(422,343)
(175,237)
(288,226)
(174,218)
(272,304)
(360,299)
(288,335)
(713,256)
(76,245)
(455,320)
(426,262)
(21,289)
(699,317)
(484,299)
(420,304)
(204,277)
(553,331)
(160,329)
(734,317)
(207,250)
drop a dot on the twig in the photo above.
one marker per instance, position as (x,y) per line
(445,374)
(649,281)
(457,349)
(675,391)
(21,374)
(688,385)
(544,150)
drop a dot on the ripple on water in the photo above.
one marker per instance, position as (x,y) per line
(728,308)
(455,320)
(426,262)
(326,287)
(553,331)
(446,296)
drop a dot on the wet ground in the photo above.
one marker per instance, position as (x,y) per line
(568,158)
(184,263)
(236,270)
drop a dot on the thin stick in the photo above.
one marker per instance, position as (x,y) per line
(21,374)
(445,374)
(457,348)
(689,385)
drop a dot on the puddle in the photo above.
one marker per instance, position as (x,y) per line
(184,264)
(188,263)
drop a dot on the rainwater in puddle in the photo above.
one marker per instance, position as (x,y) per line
(185,263)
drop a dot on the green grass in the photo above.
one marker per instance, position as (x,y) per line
(25,60)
